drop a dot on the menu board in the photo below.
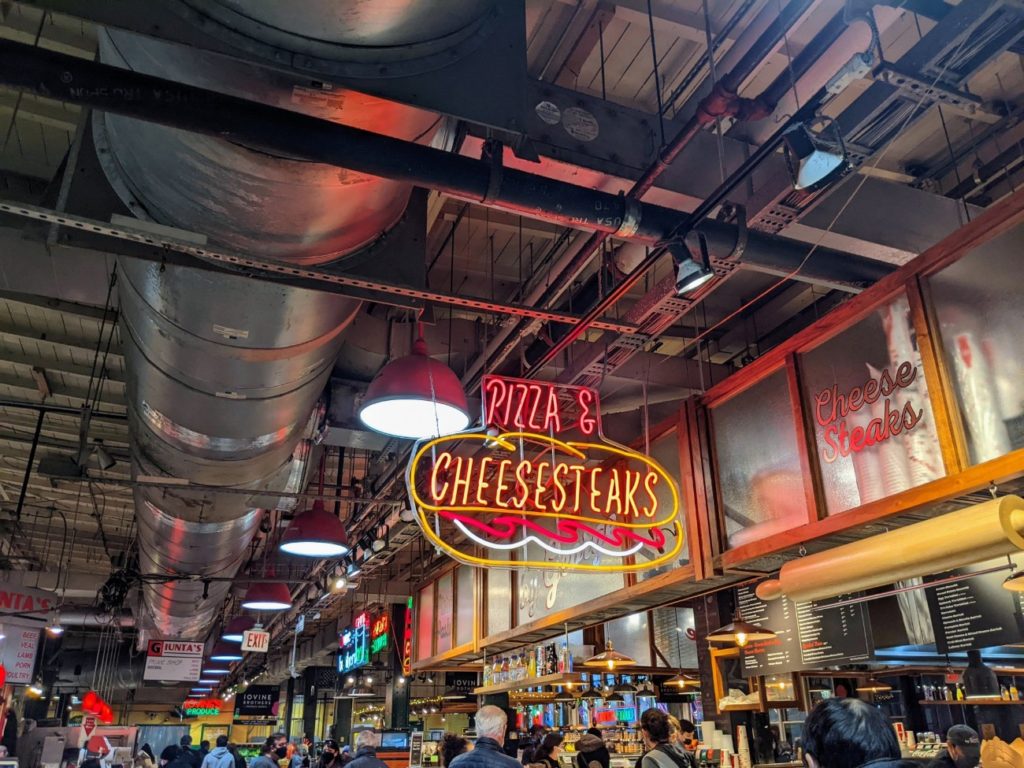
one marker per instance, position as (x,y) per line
(975,612)
(782,652)
(806,637)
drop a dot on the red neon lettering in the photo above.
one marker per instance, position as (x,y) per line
(552,420)
(362,620)
(495,393)
(585,400)
(518,420)
(533,423)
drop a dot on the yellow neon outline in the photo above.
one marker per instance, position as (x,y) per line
(573,448)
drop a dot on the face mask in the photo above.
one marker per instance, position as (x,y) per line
(281,752)
(330,755)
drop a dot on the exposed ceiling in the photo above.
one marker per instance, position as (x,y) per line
(67,352)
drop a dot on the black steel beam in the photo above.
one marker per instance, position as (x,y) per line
(290,134)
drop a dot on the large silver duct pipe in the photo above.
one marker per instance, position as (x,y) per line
(224,372)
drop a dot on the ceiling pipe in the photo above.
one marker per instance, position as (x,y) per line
(303,137)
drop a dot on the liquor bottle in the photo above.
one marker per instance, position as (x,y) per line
(496,671)
(1014,695)
(947,693)
(1003,693)
(487,673)
(531,664)
(561,660)
(568,657)
(960,693)
(540,661)
(506,670)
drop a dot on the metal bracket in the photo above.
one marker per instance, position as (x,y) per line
(935,91)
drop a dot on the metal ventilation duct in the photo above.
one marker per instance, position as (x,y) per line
(223,372)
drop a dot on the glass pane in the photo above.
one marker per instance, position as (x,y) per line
(868,401)
(465,602)
(445,608)
(666,452)
(630,636)
(758,464)
(425,623)
(675,637)
(977,301)
(499,599)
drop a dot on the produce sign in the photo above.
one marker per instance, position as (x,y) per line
(379,633)
(201,707)
(541,473)
(354,645)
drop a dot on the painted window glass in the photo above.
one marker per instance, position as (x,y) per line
(499,599)
(425,623)
(464,605)
(977,303)
(629,634)
(445,613)
(666,452)
(758,464)
(868,404)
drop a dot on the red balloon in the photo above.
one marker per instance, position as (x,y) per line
(91,702)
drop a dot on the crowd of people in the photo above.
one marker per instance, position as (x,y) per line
(838,733)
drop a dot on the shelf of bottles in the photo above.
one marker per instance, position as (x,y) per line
(935,694)
(529,667)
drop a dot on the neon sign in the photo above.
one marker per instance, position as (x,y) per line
(379,633)
(354,645)
(201,707)
(593,505)
(407,644)
(831,410)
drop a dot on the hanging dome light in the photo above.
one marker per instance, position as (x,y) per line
(614,698)
(225,652)
(315,533)
(624,687)
(564,697)
(267,596)
(739,632)
(683,681)
(236,628)
(871,685)
(591,694)
(415,397)
(609,658)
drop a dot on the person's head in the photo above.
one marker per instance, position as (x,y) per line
(169,754)
(330,750)
(280,745)
(687,733)
(964,746)
(537,731)
(270,746)
(148,750)
(205,745)
(846,733)
(450,747)
(654,727)
(550,747)
(186,741)
(595,732)
(367,740)
(222,741)
(491,722)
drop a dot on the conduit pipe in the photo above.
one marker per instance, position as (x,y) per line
(223,372)
(980,532)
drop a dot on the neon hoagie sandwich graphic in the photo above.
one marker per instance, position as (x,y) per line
(592,504)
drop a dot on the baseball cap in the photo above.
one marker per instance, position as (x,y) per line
(962,736)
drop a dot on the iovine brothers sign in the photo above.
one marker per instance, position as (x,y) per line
(541,473)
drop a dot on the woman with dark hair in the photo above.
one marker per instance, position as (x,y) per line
(591,751)
(547,753)
(450,747)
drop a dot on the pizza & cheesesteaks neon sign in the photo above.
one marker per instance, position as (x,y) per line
(541,473)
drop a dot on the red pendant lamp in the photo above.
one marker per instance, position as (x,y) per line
(415,397)
(315,533)
(267,596)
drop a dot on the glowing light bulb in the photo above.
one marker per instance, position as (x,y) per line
(611,663)
(741,639)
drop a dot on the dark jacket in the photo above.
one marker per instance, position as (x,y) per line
(366,757)
(589,749)
(942,761)
(680,757)
(181,761)
(239,760)
(192,757)
(487,753)
(892,762)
